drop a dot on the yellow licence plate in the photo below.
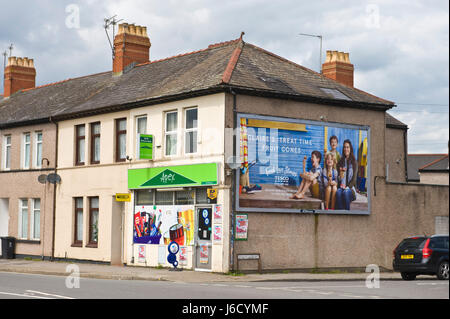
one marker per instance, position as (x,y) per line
(407,256)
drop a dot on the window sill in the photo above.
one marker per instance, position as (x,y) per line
(28,241)
(76,245)
(92,245)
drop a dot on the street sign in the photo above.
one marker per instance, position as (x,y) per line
(123,197)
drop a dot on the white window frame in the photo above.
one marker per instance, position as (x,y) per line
(6,152)
(21,212)
(33,219)
(36,163)
(166,133)
(186,130)
(26,160)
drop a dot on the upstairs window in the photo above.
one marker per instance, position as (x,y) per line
(121,140)
(37,150)
(26,150)
(191,131)
(95,143)
(80,144)
(7,152)
(171,133)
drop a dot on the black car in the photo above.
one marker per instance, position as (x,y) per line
(422,255)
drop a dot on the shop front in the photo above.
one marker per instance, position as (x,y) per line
(176,203)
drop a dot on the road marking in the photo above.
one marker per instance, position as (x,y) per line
(22,295)
(242,286)
(47,294)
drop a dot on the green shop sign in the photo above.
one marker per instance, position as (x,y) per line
(173,176)
(145,146)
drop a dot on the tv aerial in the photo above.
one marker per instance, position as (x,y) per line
(112,21)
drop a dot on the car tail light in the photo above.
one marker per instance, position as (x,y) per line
(426,252)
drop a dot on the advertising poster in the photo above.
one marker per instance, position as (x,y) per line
(145,149)
(204,254)
(183,255)
(141,253)
(303,166)
(163,224)
(241,231)
(217,214)
(217,236)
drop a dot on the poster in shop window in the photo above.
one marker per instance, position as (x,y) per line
(162,224)
(204,254)
(217,234)
(217,214)
(183,255)
(302,166)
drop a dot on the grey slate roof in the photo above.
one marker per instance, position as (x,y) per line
(255,69)
(417,161)
(392,122)
(438,165)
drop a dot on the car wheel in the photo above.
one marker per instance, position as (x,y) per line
(408,276)
(442,272)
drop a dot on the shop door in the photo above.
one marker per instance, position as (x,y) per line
(203,242)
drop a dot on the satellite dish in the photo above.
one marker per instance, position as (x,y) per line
(42,178)
(53,178)
(234,162)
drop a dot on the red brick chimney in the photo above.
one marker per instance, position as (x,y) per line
(20,74)
(131,44)
(337,66)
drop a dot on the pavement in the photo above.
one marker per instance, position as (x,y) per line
(101,271)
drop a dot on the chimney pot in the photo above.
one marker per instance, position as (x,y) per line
(337,66)
(130,49)
(16,78)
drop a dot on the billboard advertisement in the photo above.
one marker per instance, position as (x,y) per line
(292,165)
(162,224)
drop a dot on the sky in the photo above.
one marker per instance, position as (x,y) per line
(400,49)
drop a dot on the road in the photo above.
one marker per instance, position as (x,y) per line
(29,286)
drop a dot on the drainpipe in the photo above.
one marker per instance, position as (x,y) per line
(233,182)
(405,138)
(54,191)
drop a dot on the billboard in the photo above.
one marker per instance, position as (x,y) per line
(290,165)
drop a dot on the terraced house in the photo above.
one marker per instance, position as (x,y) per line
(211,149)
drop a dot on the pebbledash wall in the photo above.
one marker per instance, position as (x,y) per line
(104,180)
(19,183)
(306,240)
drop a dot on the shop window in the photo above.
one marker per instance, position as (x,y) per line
(201,196)
(184,197)
(164,198)
(144,197)
(78,231)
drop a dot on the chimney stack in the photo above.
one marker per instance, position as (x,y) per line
(337,66)
(131,44)
(20,74)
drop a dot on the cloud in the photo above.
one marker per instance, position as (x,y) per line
(399,48)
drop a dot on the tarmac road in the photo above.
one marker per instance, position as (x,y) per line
(33,286)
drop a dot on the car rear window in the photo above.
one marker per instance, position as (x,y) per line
(412,243)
